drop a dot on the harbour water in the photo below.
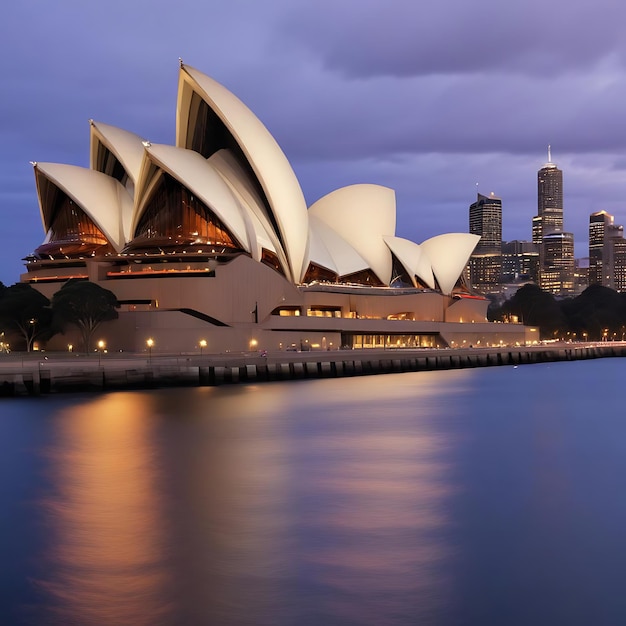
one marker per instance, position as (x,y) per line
(460,497)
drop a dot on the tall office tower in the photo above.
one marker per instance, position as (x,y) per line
(598,225)
(485,219)
(548,232)
(520,261)
(557,272)
(614,253)
(550,197)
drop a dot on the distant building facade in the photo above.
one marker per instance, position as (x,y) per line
(520,261)
(557,272)
(607,252)
(617,258)
(581,275)
(485,266)
(599,224)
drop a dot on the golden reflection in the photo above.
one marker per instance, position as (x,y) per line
(107,556)
(233,483)
(329,496)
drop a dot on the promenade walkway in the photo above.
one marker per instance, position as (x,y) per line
(43,373)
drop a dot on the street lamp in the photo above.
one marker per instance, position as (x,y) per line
(101,345)
(202,345)
(150,343)
(253,344)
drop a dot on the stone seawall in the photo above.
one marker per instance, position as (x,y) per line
(30,375)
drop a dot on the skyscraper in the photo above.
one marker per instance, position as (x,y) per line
(550,197)
(556,250)
(616,259)
(485,220)
(607,252)
(598,227)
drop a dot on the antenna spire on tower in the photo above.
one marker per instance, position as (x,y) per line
(549,154)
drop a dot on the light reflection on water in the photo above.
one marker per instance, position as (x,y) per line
(323,502)
(487,496)
(105,516)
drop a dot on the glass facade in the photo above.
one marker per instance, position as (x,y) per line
(207,134)
(175,219)
(72,232)
(108,163)
(270,259)
(399,276)
(391,341)
(318,273)
(364,277)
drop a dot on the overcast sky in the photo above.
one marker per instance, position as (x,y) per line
(427,98)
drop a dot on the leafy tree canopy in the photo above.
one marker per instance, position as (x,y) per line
(85,305)
(25,312)
(597,313)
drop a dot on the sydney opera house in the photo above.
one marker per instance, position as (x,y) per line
(211,240)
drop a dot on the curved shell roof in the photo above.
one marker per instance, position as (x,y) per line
(448,256)
(264,155)
(413,258)
(249,184)
(195,173)
(101,197)
(363,214)
(329,249)
(126,146)
(239,183)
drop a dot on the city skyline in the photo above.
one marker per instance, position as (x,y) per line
(409,113)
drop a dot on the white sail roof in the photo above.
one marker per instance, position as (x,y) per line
(267,160)
(413,259)
(249,184)
(126,146)
(243,188)
(448,256)
(362,215)
(102,198)
(331,250)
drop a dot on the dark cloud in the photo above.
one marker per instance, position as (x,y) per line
(364,38)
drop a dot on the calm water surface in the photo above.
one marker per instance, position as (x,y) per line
(487,496)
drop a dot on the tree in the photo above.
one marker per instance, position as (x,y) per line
(85,305)
(535,307)
(597,312)
(25,312)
